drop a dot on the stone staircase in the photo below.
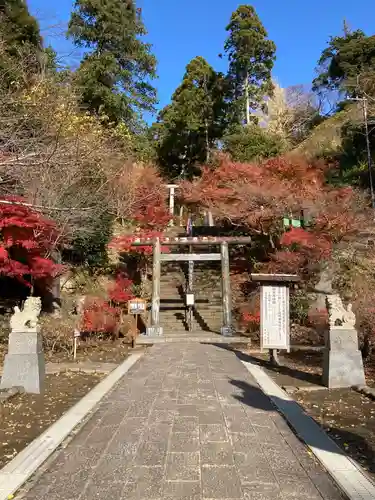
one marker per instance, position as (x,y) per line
(207,318)
(207,313)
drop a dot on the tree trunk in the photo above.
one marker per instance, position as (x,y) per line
(247,104)
(207,143)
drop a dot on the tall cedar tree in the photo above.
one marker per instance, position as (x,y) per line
(21,51)
(114,76)
(189,127)
(251,57)
(346,59)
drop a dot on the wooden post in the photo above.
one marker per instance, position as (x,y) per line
(190,271)
(155,329)
(190,285)
(227,329)
(171,188)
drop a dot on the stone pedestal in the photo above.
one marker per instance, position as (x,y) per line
(227,331)
(154,331)
(24,364)
(342,360)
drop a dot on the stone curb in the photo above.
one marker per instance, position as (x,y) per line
(26,463)
(347,474)
(53,368)
(365,390)
(7,394)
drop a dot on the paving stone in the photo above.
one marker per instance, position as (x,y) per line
(39,490)
(117,465)
(283,461)
(186,424)
(212,432)
(139,409)
(260,419)
(133,426)
(296,487)
(256,473)
(211,417)
(108,488)
(266,435)
(239,423)
(250,458)
(217,454)
(183,442)
(157,432)
(165,405)
(220,482)
(267,494)
(162,416)
(125,450)
(187,490)
(152,453)
(72,459)
(243,443)
(145,483)
(187,410)
(324,485)
(183,467)
(69,484)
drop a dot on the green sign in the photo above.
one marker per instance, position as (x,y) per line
(292,222)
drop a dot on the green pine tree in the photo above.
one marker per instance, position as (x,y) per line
(347,62)
(188,128)
(251,58)
(114,76)
(21,52)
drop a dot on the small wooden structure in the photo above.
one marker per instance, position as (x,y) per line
(156,329)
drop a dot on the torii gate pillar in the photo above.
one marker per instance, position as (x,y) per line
(171,188)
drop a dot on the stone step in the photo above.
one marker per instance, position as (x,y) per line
(173,319)
(178,313)
(191,337)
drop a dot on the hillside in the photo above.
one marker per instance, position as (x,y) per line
(325,139)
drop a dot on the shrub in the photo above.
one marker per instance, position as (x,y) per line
(100,317)
(57,332)
(252,143)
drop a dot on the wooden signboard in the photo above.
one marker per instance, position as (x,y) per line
(137,306)
(274,313)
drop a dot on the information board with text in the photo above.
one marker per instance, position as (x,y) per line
(274,317)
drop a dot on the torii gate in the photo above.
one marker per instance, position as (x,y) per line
(156,329)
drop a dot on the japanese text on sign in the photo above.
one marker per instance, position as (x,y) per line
(274,317)
(137,306)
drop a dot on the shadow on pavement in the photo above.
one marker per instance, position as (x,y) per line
(314,435)
(284,370)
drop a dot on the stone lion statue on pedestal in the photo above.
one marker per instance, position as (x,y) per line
(339,316)
(27,319)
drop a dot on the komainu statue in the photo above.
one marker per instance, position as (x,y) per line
(27,319)
(339,316)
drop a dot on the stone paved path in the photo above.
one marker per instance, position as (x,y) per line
(187,422)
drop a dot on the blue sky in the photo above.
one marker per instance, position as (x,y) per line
(182,29)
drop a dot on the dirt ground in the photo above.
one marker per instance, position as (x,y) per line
(26,416)
(105,351)
(347,416)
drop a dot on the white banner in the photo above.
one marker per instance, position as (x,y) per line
(274,317)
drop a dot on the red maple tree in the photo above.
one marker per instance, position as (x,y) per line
(103,315)
(121,291)
(27,241)
(256,197)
